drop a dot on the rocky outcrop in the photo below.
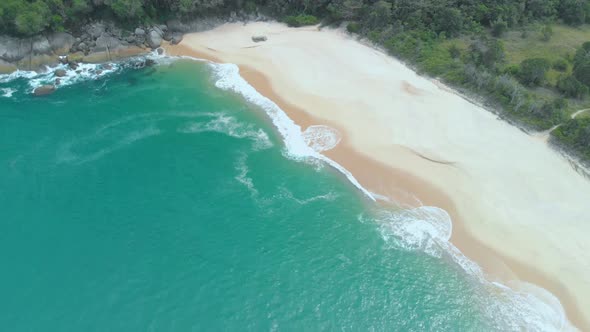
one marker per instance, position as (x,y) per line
(6,68)
(108,43)
(102,41)
(44,90)
(154,38)
(13,49)
(61,42)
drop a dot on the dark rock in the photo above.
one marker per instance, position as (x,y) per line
(163,27)
(96,29)
(160,51)
(40,45)
(258,39)
(57,81)
(44,90)
(78,71)
(13,49)
(60,73)
(63,59)
(61,42)
(106,42)
(73,65)
(154,39)
(149,62)
(98,72)
(176,38)
(107,66)
(158,31)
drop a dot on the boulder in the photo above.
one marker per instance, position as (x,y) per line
(73,65)
(61,42)
(60,73)
(44,90)
(107,66)
(160,51)
(139,32)
(176,38)
(96,29)
(258,39)
(99,72)
(154,39)
(106,42)
(13,49)
(40,45)
(58,81)
(158,31)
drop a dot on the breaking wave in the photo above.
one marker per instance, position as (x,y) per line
(230,126)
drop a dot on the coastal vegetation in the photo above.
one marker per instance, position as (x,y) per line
(529,59)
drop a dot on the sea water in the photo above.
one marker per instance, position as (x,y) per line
(177,198)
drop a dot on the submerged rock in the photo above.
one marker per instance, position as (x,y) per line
(60,73)
(44,90)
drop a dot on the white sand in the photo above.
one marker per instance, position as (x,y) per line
(514,194)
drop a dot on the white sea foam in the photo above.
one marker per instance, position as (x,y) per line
(330,196)
(521,307)
(7,92)
(321,138)
(66,153)
(242,177)
(228,78)
(230,126)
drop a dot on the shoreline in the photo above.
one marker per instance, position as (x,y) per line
(377,176)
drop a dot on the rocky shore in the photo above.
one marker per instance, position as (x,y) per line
(100,42)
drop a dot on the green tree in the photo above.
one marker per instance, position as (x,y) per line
(573,12)
(571,87)
(533,71)
(448,20)
(129,9)
(499,28)
(582,71)
(33,19)
(487,52)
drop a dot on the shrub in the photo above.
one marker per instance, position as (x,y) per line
(499,28)
(547,32)
(533,71)
(560,65)
(571,87)
(454,51)
(353,27)
(301,20)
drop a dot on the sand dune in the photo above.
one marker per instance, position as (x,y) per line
(406,136)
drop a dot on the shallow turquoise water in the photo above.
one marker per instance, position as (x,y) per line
(151,200)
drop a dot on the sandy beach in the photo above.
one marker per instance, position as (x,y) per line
(518,208)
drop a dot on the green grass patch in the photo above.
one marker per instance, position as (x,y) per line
(563,43)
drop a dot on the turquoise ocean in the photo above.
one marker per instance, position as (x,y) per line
(175,198)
